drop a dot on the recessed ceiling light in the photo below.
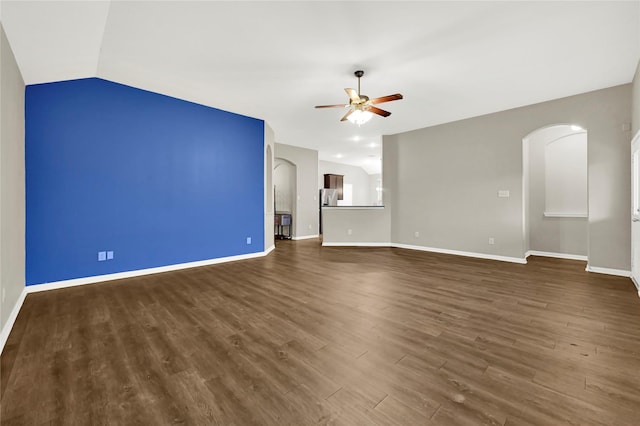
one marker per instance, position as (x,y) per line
(338,155)
(576,128)
(372,145)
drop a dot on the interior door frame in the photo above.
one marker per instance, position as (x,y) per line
(635,207)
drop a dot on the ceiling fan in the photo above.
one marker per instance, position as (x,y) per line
(362,108)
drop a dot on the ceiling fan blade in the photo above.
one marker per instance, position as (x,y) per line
(379,111)
(332,106)
(347,115)
(389,98)
(353,95)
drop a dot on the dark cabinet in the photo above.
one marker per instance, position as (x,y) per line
(334,182)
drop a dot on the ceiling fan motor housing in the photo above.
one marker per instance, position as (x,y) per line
(363,100)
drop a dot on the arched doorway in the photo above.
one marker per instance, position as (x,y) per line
(284,181)
(555,192)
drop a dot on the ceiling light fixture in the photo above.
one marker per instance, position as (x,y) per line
(576,128)
(359,117)
(361,107)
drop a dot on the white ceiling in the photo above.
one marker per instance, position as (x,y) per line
(276,60)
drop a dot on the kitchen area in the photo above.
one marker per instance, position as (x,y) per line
(303,203)
(350,207)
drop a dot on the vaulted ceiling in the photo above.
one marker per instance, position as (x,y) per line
(276,60)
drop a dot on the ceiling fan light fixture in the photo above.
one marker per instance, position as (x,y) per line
(359,117)
(362,108)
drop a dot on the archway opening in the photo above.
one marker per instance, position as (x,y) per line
(284,181)
(555,192)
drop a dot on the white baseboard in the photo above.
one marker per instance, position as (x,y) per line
(130,274)
(636,283)
(270,249)
(462,253)
(6,330)
(355,244)
(608,271)
(305,237)
(429,249)
(556,255)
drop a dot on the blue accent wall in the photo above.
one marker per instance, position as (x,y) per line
(156,180)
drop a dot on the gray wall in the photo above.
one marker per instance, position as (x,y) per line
(566,235)
(12,192)
(284,179)
(368,226)
(305,220)
(443,180)
(356,176)
(373,185)
(636,102)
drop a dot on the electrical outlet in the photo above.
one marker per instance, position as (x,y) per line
(310,227)
(492,241)
(416,234)
(503,193)
(110,255)
(248,240)
(349,231)
(102,256)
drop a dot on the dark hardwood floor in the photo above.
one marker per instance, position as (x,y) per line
(311,335)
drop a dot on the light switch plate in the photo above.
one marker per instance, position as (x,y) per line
(503,193)
(102,256)
(109,255)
